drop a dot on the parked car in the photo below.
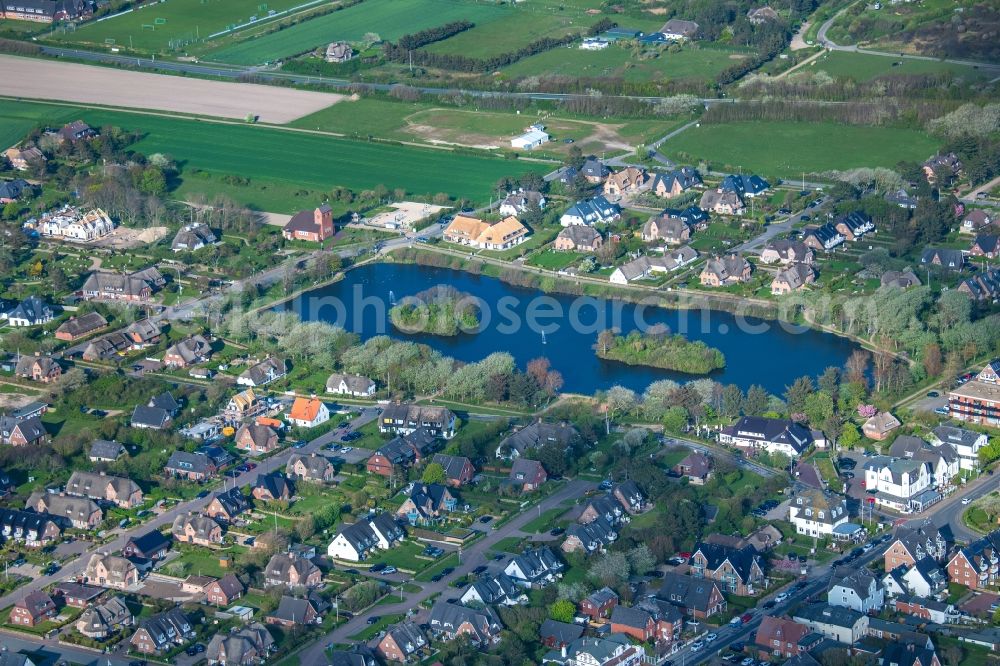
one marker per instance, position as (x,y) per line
(480,570)
(378,568)
(389,570)
(746,617)
(485,519)
(374,619)
(966,500)
(933,394)
(556,531)
(781,598)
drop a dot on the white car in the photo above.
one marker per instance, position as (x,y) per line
(710,637)
(966,500)
(781,598)
(697,645)
(747,662)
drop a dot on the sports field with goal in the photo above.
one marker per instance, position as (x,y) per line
(168,25)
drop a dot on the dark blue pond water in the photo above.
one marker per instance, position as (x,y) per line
(564,329)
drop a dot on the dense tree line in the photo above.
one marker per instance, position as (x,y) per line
(424,37)
(461,63)
(857,113)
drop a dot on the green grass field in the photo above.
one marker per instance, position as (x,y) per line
(390,19)
(19,118)
(186,20)
(615,61)
(788,149)
(290,161)
(862,66)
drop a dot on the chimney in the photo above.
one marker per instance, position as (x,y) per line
(564,655)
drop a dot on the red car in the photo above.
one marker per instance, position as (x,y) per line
(746,617)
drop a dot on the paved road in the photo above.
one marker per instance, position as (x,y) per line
(949,511)
(472,557)
(276,462)
(720,452)
(781,226)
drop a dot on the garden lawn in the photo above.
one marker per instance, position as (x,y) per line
(18,118)
(554,261)
(274,157)
(404,557)
(544,522)
(450,560)
(390,19)
(863,66)
(184,21)
(788,149)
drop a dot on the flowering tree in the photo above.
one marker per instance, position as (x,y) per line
(867,411)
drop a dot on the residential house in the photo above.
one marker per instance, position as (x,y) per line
(926,578)
(787,252)
(99,486)
(758,433)
(449,621)
(404,418)
(11,190)
(975,220)
(495,590)
(978,401)
(32,311)
(251,644)
(745,185)
(854,225)
(578,238)
(291,571)
(599,604)
(966,443)
(32,609)
(603,506)
(193,237)
(427,503)
(902,484)
(725,270)
(111,571)
(628,180)
(458,470)
(401,452)
(722,202)
(474,232)
(614,650)
(28,527)
(312,467)
(762,15)
(243,406)
(944,460)
(271,487)
(310,225)
(353,385)
(265,372)
(135,287)
(338,52)
(557,635)
(943,257)
(197,529)
(227,505)
(153,545)
(76,131)
(780,637)
(22,432)
(224,591)
(911,544)
(308,412)
(536,435)
(102,450)
(520,201)
(596,210)
(293,612)
(527,475)
(679,30)
(697,467)
(354,542)
(101,621)
(535,568)
(859,589)
(81,326)
(633,622)
(986,246)
(644,266)
(594,171)
(37,368)
(903,279)
(143,333)
(191,466)
(671,230)
(357,655)
(69,223)
(162,632)
(817,513)
(77,595)
(947,163)
(696,597)
(931,610)
(81,513)
(738,570)
(256,439)
(879,426)
(149,417)
(976,565)
(825,237)
(675,183)
(841,624)
(21,159)
(589,538)
(631,497)
(402,643)
(792,278)
(195,349)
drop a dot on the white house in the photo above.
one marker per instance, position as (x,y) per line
(944,460)
(534,137)
(926,579)
(755,433)
(903,484)
(860,590)
(354,542)
(535,568)
(645,266)
(68,223)
(354,385)
(594,44)
(816,513)
(308,413)
(596,210)
(967,444)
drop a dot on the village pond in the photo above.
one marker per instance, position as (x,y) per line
(528,324)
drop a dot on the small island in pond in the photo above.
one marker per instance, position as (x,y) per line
(657,348)
(440,310)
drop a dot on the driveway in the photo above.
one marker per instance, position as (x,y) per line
(472,557)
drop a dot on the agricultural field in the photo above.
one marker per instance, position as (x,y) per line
(390,19)
(862,66)
(19,118)
(787,149)
(620,62)
(273,157)
(171,24)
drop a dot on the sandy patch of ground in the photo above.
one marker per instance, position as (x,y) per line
(406,214)
(123,238)
(443,136)
(798,40)
(276,219)
(47,79)
(15,400)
